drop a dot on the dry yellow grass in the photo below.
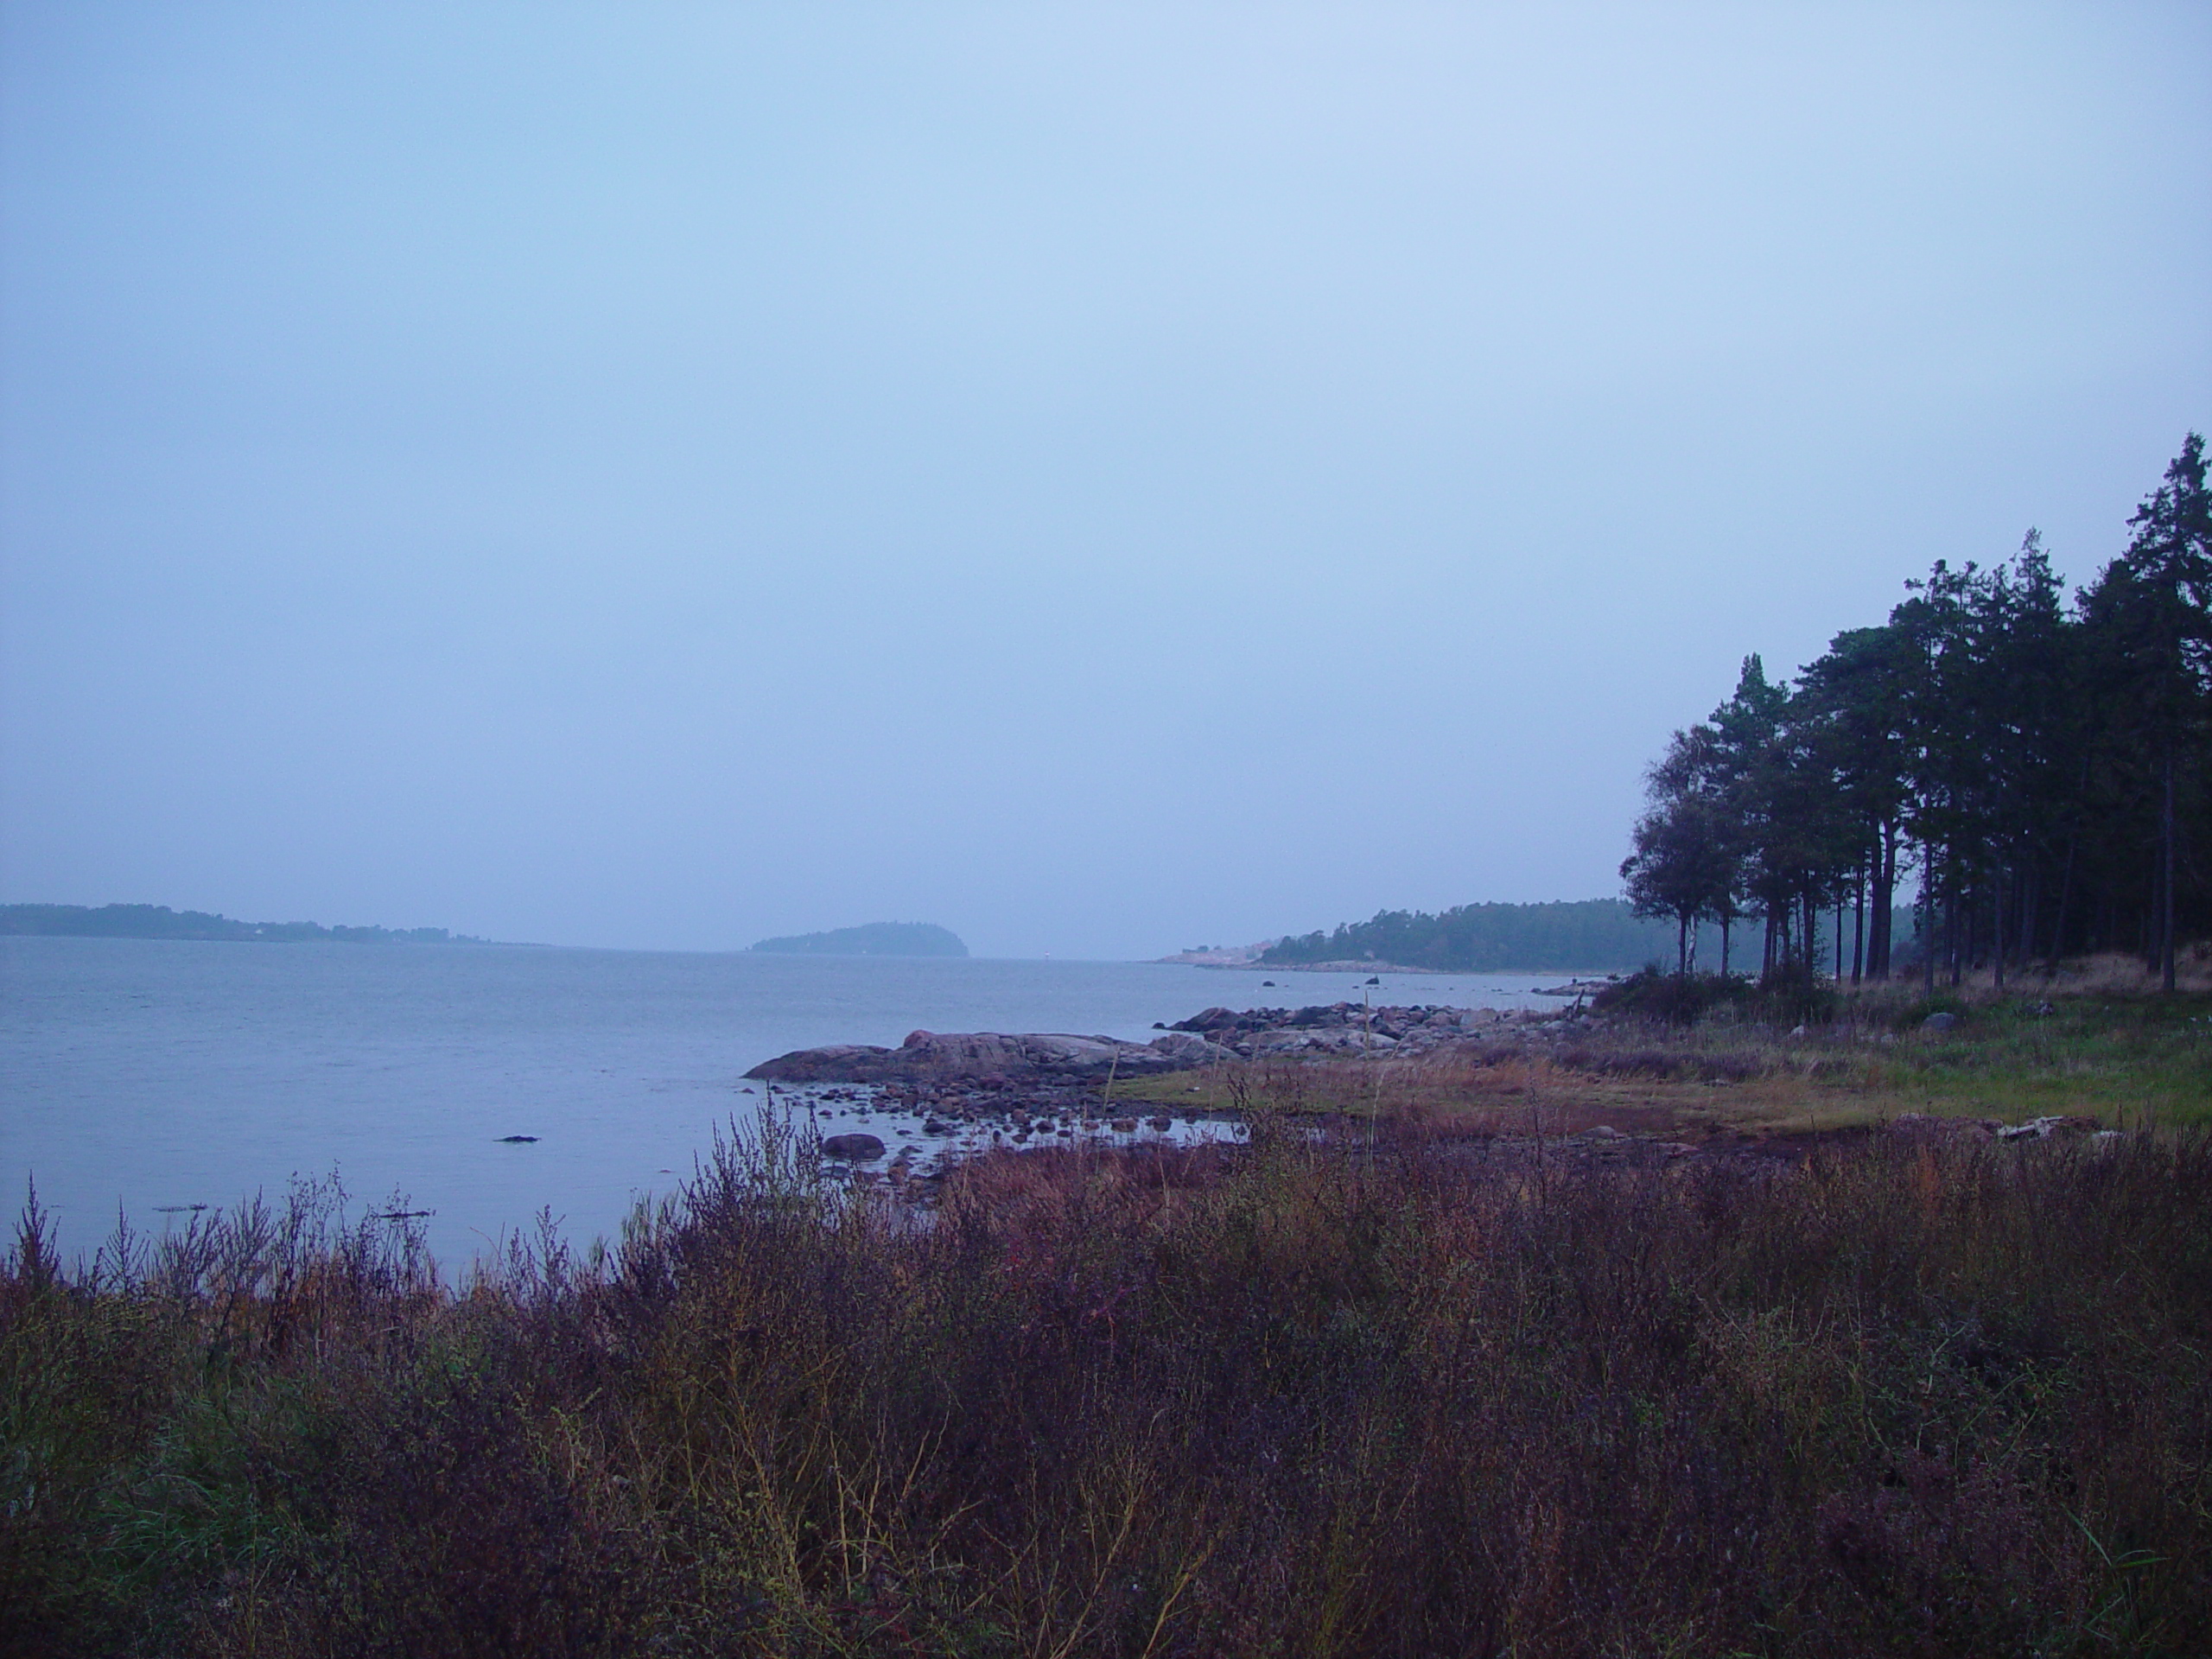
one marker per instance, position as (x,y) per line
(2096,1040)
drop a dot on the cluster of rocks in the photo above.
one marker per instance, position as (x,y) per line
(979,1064)
(2056,1127)
(1348,1028)
(936,1121)
(934,1129)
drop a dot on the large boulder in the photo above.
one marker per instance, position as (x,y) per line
(1215,1018)
(838,1063)
(1186,1049)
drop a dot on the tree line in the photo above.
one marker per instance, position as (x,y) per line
(2037,761)
(1569,936)
(160,922)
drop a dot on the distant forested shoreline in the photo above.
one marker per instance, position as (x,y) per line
(870,940)
(1565,935)
(160,922)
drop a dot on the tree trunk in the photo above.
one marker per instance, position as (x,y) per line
(1724,945)
(2147,941)
(1858,922)
(1681,947)
(1951,936)
(2065,897)
(2166,879)
(1884,939)
(1927,916)
(1997,945)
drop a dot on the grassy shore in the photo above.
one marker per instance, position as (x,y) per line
(1904,1396)
(2098,1044)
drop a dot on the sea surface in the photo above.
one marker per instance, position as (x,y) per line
(143,1076)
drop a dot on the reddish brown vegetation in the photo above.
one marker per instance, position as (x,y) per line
(1905,1398)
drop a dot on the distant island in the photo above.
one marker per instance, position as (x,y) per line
(160,922)
(870,939)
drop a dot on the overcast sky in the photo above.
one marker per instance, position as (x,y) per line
(1104,479)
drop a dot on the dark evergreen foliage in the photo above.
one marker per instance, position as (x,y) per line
(2042,765)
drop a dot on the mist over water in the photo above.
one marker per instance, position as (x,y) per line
(1096,477)
(149,1074)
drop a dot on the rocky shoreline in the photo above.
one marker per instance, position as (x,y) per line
(993,1059)
(906,1116)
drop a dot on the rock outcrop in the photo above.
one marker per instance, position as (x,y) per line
(935,1056)
(1340,1029)
(993,1059)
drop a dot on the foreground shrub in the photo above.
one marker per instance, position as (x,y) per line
(1793,995)
(1908,1399)
(1674,999)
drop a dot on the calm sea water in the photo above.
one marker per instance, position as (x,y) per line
(151,1074)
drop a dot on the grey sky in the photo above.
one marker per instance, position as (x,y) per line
(1104,479)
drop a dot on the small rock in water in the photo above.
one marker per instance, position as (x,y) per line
(856,1149)
(517,1140)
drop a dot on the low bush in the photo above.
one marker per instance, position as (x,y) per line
(1677,998)
(1910,1398)
(1784,996)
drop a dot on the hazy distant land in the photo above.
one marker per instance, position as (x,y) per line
(160,922)
(870,939)
(1567,935)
